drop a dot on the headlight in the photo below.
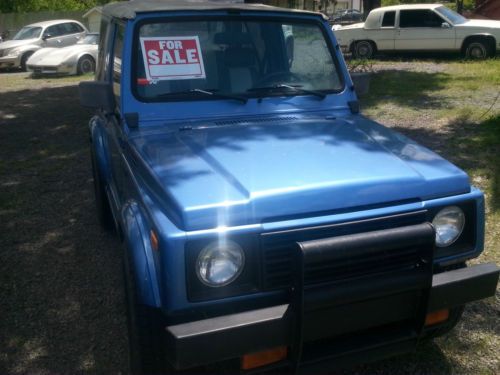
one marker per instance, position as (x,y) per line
(220,263)
(449,223)
(13,52)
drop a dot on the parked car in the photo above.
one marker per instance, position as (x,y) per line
(15,53)
(79,58)
(267,224)
(347,16)
(418,28)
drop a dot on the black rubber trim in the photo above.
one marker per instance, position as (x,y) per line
(457,287)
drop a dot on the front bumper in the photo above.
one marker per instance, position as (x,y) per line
(328,325)
(51,69)
(10,61)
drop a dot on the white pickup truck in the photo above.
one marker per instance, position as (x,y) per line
(419,28)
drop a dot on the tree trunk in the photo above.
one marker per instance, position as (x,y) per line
(460,6)
(368,5)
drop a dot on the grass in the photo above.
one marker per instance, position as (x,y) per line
(453,107)
(18,81)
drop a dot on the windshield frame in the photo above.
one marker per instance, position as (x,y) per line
(183,97)
(29,27)
(446,15)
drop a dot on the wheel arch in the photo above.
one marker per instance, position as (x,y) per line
(137,243)
(490,39)
(353,43)
(98,144)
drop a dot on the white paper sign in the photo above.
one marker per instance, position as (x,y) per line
(172,58)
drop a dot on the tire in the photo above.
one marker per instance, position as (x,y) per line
(86,65)
(102,203)
(363,49)
(146,339)
(24,59)
(477,50)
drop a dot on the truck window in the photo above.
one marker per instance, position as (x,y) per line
(117,60)
(389,19)
(419,18)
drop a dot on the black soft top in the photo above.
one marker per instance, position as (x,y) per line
(129,9)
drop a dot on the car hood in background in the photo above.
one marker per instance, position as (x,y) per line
(55,56)
(491,24)
(246,174)
(16,43)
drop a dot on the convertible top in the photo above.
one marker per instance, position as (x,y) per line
(130,9)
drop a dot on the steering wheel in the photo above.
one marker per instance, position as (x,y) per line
(282,76)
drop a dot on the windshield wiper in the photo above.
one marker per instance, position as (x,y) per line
(208,92)
(296,88)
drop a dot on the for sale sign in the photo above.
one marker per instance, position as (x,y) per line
(169,58)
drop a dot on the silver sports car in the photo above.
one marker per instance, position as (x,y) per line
(79,58)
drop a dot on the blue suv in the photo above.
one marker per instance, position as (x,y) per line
(266,224)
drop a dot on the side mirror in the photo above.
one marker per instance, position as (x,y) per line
(46,36)
(445,25)
(97,94)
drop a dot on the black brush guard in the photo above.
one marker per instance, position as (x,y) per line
(328,325)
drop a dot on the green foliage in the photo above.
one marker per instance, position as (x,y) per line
(22,6)
(468,4)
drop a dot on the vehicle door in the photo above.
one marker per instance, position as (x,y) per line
(386,32)
(114,126)
(423,30)
(70,33)
(52,36)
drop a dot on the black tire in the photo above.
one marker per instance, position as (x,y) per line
(146,338)
(477,49)
(364,49)
(101,199)
(24,59)
(86,65)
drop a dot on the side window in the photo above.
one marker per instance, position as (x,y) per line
(52,31)
(103,56)
(419,18)
(389,19)
(66,29)
(76,28)
(117,59)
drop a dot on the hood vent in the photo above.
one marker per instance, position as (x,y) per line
(255,120)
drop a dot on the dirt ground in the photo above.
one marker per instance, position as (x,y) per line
(62,307)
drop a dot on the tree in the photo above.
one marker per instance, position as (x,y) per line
(21,6)
(368,5)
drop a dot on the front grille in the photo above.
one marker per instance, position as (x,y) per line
(279,247)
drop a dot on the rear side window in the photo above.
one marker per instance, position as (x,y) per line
(74,28)
(117,60)
(389,19)
(419,18)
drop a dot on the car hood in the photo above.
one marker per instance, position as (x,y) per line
(249,173)
(55,56)
(489,24)
(348,27)
(17,43)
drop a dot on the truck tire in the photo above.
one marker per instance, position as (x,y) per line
(104,214)
(477,49)
(364,49)
(146,338)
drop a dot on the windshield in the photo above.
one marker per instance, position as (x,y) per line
(243,58)
(89,39)
(454,17)
(28,32)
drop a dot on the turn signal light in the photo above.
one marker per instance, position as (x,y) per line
(436,317)
(266,357)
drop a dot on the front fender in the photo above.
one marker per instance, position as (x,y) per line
(98,143)
(137,244)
